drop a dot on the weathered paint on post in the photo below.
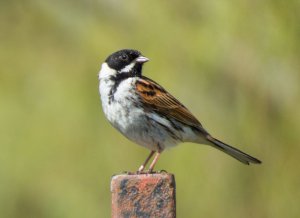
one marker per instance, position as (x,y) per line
(143,195)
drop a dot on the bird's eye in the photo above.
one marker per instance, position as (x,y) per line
(124,57)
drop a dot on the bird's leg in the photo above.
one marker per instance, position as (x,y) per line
(154,161)
(142,167)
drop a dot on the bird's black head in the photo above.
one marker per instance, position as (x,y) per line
(126,60)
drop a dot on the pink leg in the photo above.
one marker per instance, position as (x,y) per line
(154,162)
(142,167)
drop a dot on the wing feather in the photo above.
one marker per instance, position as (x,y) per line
(157,99)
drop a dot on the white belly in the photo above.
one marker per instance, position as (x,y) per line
(130,119)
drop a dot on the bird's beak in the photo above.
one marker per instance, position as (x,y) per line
(142,59)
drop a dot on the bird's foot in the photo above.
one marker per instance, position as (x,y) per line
(162,171)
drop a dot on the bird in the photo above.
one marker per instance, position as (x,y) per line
(145,113)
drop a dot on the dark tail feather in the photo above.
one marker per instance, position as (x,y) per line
(233,152)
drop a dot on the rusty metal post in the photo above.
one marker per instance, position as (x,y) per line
(143,195)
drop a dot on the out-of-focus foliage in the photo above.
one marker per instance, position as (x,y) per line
(234,64)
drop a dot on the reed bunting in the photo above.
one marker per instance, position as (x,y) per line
(144,112)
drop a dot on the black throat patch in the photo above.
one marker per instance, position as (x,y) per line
(136,71)
(117,79)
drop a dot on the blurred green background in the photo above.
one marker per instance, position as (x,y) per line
(234,64)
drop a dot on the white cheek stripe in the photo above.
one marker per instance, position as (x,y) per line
(128,67)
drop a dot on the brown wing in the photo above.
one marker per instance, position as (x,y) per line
(156,98)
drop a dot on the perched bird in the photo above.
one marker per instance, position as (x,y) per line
(144,112)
